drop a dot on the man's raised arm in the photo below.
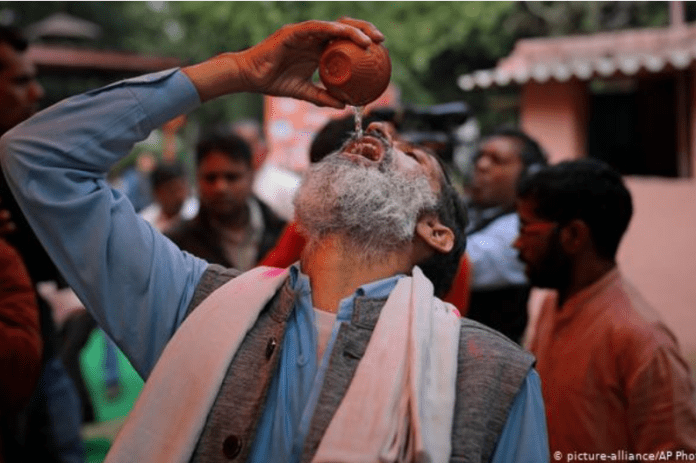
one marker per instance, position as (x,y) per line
(136,282)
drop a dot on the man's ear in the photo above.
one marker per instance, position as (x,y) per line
(435,234)
(574,236)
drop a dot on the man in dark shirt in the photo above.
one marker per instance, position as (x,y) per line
(233,228)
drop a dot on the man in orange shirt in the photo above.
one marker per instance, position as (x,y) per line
(613,378)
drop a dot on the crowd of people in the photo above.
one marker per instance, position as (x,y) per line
(386,322)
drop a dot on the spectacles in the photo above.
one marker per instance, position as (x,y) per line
(536,228)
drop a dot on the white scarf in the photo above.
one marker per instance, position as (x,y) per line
(406,382)
(168,417)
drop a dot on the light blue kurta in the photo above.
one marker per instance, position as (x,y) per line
(138,284)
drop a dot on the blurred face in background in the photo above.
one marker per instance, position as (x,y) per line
(224,185)
(171,195)
(19,91)
(497,168)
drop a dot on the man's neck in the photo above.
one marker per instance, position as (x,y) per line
(584,276)
(335,272)
(238,221)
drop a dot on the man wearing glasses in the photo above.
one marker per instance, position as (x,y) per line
(613,378)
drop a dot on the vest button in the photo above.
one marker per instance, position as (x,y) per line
(231,447)
(270,347)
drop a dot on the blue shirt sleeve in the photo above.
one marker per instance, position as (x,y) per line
(135,282)
(524,438)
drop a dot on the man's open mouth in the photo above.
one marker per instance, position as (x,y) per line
(368,147)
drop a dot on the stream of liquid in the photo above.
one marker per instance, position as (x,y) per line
(358,112)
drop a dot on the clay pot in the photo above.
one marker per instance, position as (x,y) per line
(354,74)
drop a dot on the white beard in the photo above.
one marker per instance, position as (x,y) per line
(375,210)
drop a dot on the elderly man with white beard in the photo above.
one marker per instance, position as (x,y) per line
(345,356)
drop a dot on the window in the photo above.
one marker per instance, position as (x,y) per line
(634,125)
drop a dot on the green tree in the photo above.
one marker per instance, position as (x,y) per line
(430,43)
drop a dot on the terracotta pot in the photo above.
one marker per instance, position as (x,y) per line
(353,74)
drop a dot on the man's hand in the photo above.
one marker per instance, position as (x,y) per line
(283,64)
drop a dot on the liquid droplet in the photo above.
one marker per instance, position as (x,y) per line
(358,111)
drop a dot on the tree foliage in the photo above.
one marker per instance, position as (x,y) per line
(430,43)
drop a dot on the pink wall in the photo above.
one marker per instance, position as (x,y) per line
(556,115)
(658,252)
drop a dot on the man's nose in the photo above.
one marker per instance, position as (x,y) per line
(482,162)
(220,184)
(386,129)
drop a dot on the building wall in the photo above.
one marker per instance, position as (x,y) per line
(658,252)
(556,114)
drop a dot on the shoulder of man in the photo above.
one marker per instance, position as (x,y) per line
(479,343)
(489,218)
(194,235)
(213,277)
(490,362)
(491,370)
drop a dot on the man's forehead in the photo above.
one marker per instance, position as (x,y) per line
(527,209)
(439,165)
(437,169)
(405,145)
(15,62)
(434,159)
(502,144)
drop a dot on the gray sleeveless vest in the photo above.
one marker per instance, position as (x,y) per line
(490,372)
